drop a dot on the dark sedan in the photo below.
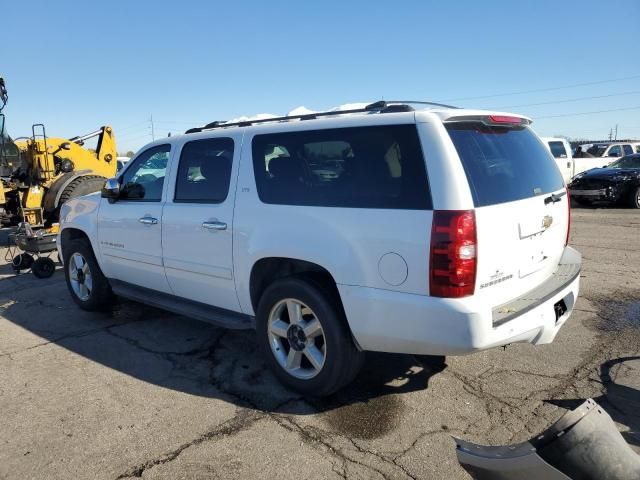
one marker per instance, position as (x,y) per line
(619,182)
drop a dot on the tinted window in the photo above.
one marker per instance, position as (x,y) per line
(615,151)
(632,161)
(627,149)
(143,181)
(204,171)
(504,164)
(364,167)
(558,150)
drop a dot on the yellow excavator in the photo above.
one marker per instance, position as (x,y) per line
(38,173)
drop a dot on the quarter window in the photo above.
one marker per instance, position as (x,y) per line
(615,151)
(204,171)
(558,150)
(143,181)
(362,167)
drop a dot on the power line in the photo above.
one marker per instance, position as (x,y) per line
(543,89)
(577,99)
(588,113)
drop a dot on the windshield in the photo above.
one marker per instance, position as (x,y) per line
(632,161)
(597,150)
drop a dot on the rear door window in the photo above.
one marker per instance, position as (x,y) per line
(558,150)
(504,164)
(361,167)
(627,149)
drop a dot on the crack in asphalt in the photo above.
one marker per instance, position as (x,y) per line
(244,419)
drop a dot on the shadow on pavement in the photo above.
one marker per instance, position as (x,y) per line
(183,354)
(621,401)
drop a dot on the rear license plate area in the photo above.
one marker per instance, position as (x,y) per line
(560,308)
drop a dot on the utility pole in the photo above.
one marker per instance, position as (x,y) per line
(153,133)
(610,134)
(616,137)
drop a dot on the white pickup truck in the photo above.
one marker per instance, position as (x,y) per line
(570,166)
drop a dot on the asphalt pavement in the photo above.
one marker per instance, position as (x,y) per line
(142,393)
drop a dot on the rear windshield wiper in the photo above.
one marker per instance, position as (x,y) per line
(554,198)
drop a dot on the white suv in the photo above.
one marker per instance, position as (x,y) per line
(433,232)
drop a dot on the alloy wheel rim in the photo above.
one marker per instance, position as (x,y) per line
(80,277)
(297,339)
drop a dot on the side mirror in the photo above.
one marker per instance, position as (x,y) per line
(111,190)
(65,146)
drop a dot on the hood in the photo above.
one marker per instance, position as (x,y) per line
(611,173)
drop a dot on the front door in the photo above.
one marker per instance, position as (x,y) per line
(197,221)
(130,229)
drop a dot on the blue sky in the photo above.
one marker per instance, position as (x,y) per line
(77,65)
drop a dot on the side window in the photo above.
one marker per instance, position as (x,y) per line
(204,171)
(362,167)
(143,181)
(627,149)
(558,150)
(615,151)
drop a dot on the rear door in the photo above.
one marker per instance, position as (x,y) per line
(521,206)
(197,223)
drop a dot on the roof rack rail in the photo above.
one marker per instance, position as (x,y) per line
(421,102)
(381,106)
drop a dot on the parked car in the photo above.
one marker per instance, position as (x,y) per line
(609,151)
(569,165)
(619,182)
(432,232)
(122,161)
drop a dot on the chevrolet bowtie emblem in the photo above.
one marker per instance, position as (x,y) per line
(547,221)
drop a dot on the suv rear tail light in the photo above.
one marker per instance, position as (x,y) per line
(566,242)
(453,256)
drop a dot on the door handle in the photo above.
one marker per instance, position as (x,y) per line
(148,220)
(214,225)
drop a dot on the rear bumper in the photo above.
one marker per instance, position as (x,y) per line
(386,321)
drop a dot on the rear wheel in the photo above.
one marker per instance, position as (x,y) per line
(88,286)
(304,337)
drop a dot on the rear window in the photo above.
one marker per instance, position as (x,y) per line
(558,150)
(504,164)
(362,167)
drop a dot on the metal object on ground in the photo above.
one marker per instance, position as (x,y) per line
(584,444)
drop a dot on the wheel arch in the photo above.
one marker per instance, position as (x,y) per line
(266,270)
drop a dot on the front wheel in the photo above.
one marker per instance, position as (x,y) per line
(304,337)
(635,198)
(88,286)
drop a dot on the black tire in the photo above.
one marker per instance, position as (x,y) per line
(43,267)
(342,361)
(100,295)
(22,261)
(634,200)
(81,186)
